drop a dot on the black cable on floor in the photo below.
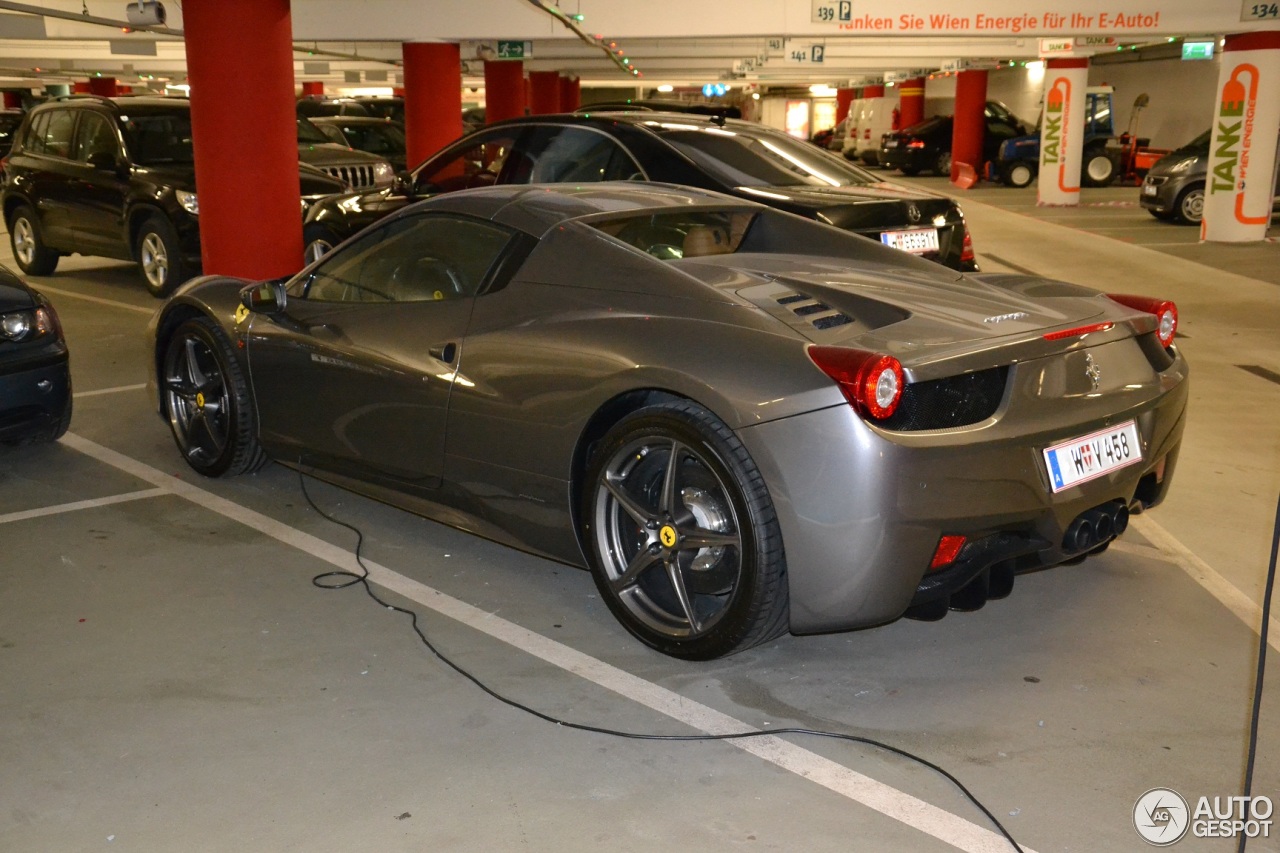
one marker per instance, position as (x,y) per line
(342,579)
(1262,668)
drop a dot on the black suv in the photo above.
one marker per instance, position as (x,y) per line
(112,177)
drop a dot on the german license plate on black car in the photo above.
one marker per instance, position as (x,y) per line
(916,241)
(1082,459)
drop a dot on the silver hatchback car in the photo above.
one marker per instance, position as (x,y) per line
(1174,188)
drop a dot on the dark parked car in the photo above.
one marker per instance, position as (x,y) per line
(663,105)
(741,420)
(744,159)
(384,107)
(378,136)
(35,383)
(112,177)
(10,120)
(358,170)
(926,145)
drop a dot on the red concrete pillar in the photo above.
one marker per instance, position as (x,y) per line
(13,100)
(875,91)
(104,86)
(844,97)
(911,101)
(80,87)
(313,87)
(503,90)
(263,240)
(433,97)
(544,91)
(1242,156)
(570,94)
(969,129)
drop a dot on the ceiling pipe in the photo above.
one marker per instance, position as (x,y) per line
(86,18)
(554,11)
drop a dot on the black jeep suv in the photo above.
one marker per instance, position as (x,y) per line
(112,177)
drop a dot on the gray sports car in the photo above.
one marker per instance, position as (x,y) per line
(742,421)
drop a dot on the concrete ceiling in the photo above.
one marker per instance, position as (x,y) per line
(348,43)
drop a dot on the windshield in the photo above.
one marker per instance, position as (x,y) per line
(755,157)
(309,134)
(158,138)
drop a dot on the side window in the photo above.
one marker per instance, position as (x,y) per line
(474,163)
(95,136)
(51,133)
(34,141)
(424,258)
(575,154)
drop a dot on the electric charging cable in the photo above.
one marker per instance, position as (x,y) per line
(342,579)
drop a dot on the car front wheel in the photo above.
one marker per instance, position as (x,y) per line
(682,536)
(159,257)
(29,250)
(206,400)
(1190,206)
(317,241)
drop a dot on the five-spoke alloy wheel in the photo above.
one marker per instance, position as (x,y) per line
(682,535)
(207,401)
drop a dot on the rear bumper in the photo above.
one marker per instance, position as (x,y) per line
(862,509)
(912,158)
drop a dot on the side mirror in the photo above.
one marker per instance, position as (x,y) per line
(268,297)
(402,184)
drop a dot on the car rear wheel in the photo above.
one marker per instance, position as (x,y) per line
(317,241)
(159,257)
(206,400)
(1190,205)
(942,165)
(1099,170)
(682,536)
(1019,173)
(29,250)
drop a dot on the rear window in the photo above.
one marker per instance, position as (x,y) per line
(685,234)
(927,126)
(753,157)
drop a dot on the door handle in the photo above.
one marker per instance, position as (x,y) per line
(444,352)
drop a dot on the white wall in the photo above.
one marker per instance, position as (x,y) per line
(1181,94)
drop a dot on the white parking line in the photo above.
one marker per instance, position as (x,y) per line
(71,294)
(887,800)
(78,505)
(1202,573)
(115,390)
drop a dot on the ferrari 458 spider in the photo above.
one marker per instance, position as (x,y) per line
(743,422)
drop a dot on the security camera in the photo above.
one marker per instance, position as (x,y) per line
(145,13)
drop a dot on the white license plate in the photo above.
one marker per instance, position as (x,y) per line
(891,143)
(1082,459)
(1149,189)
(916,241)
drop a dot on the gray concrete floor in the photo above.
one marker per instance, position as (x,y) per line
(171,680)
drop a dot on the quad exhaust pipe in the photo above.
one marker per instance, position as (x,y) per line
(1096,527)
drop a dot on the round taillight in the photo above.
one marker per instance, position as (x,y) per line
(1168,319)
(1166,313)
(872,382)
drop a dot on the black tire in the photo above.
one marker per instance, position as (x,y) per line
(1163,215)
(1097,168)
(206,400)
(159,257)
(666,478)
(29,250)
(909,171)
(942,164)
(1189,208)
(1018,173)
(317,240)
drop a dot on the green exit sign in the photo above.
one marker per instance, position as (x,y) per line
(1197,50)
(515,50)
